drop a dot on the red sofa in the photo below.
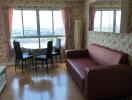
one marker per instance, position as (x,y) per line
(100,72)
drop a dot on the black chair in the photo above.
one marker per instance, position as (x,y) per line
(57,49)
(45,57)
(19,55)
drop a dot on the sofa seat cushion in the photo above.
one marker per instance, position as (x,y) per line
(80,64)
(77,69)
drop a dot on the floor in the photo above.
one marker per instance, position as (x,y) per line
(40,85)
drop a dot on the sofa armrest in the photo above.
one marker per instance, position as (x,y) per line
(76,53)
(105,81)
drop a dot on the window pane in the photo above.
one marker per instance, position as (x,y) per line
(118,21)
(46,23)
(107,21)
(30,23)
(111,19)
(17,23)
(62,41)
(43,41)
(58,23)
(97,21)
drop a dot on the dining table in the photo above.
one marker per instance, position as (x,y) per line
(35,48)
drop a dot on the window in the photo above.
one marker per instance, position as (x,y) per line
(58,23)
(118,20)
(37,26)
(107,21)
(17,29)
(97,21)
(29,23)
(46,26)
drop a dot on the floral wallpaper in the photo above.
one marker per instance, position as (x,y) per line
(60,3)
(130,15)
(106,4)
(117,41)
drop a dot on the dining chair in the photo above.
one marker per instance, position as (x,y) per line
(57,49)
(45,57)
(19,55)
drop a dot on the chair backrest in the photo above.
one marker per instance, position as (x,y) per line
(58,45)
(17,49)
(49,49)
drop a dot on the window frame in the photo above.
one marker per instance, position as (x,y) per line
(114,18)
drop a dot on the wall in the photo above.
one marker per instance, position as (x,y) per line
(126,22)
(40,2)
(85,22)
(125,19)
(130,7)
(76,7)
(120,42)
(106,4)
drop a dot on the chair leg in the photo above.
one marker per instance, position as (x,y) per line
(18,61)
(47,65)
(15,63)
(52,62)
(32,62)
(56,58)
(22,65)
(25,63)
(36,65)
(29,62)
(42,64)
(60,58)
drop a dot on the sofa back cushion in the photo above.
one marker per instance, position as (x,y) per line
(106,56)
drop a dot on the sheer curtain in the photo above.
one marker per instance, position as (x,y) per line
(66,14)
(6,14)
(78,34)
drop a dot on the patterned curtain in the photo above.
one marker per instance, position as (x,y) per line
(6,15)
(92,12)
(66,14)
